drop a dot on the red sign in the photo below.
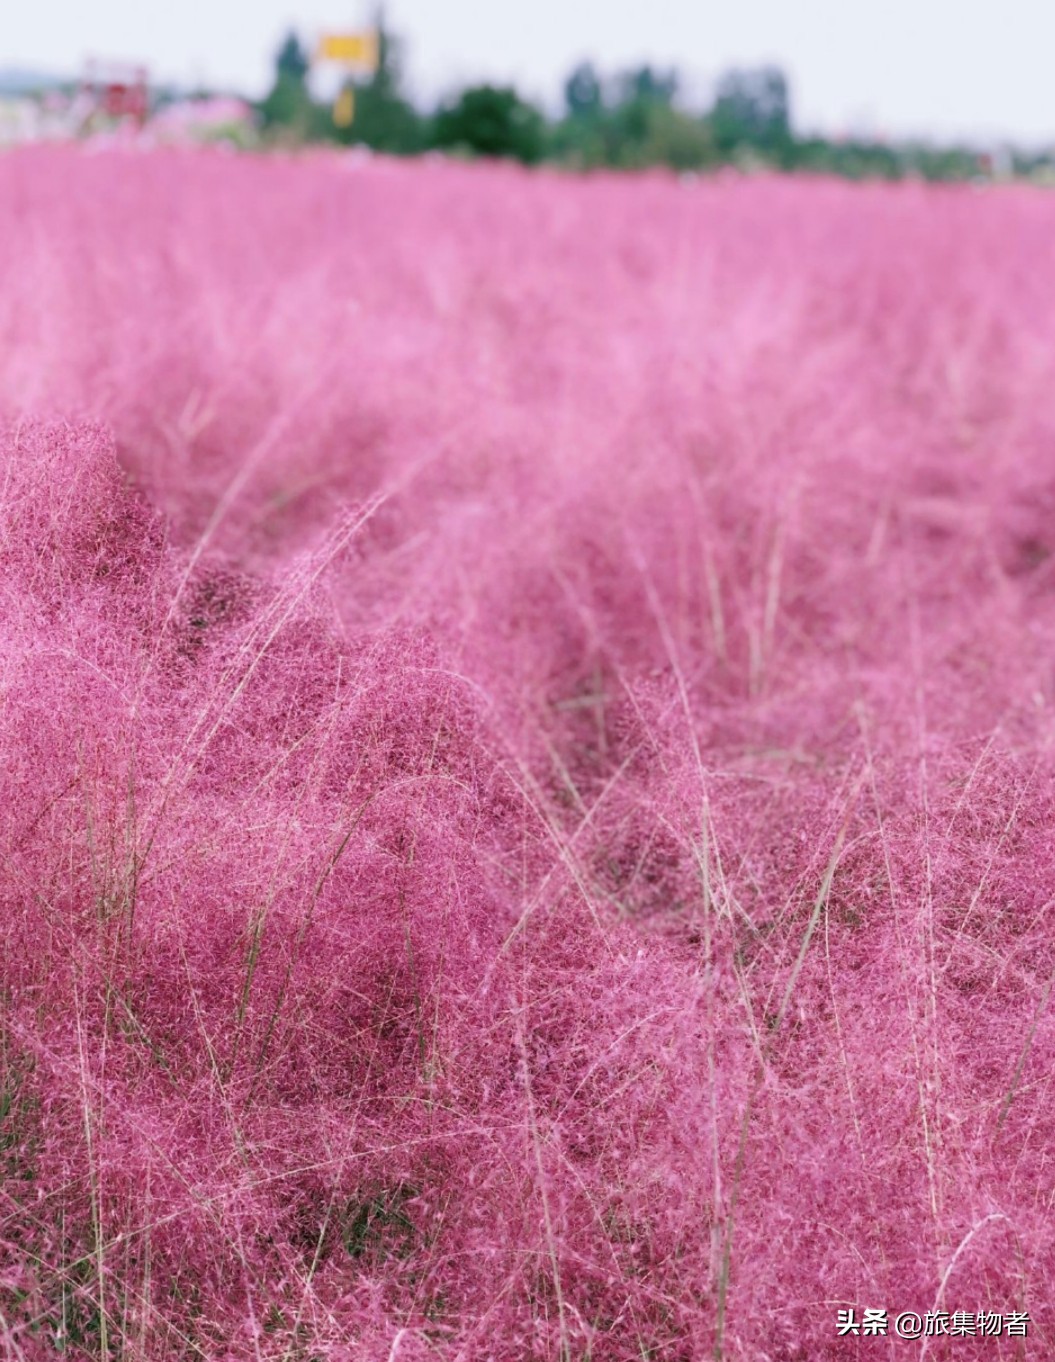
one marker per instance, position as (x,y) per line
(118,92)
(121,101)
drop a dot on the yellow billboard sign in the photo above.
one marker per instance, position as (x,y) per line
(350,49)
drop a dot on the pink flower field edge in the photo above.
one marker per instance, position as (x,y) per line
(526,795)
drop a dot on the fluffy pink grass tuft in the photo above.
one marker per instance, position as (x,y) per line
(526,762)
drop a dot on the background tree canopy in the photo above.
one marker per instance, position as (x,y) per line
(628,119)
(491,121)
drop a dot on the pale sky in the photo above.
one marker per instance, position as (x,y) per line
(941,67)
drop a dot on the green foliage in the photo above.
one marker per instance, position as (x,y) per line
(632,120)
(644,84)
(752,111)
(384,118)
(288,107)
(635,136)
(583,95)
(854,160)
(291,60)
(940,163)
(640,127)
(489,120)
(677,140)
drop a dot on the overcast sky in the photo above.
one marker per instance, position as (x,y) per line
(939,67)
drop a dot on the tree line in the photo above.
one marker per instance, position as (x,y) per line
(630,120)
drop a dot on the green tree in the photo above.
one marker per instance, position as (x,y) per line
(583,95)
(384,118)
(646,85)
(491,121)
(291,60)
(640,127)
(676,139)
(753,111)
(288,107)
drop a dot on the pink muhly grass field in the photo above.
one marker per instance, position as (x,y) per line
(526,735)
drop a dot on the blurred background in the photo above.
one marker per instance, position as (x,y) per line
(934,89)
